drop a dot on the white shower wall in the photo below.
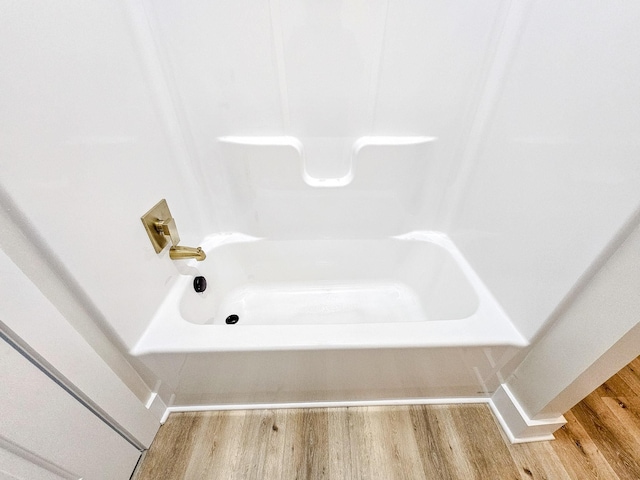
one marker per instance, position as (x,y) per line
(326,73)
(557,172)
(86,147)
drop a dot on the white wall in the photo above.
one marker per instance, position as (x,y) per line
(593,337)
(557,173)
(27,317)
(87,145)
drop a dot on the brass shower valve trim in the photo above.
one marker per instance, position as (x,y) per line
(161,229)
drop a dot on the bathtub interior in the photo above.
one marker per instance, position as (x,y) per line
(328,281)
(411,291)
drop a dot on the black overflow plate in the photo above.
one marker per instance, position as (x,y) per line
(199,284)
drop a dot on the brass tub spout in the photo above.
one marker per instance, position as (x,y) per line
(182,253)
(161,228)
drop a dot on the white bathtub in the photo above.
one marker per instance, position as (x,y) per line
(414,290)
(328,321)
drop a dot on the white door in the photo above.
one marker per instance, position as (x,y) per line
(51,383)
(45,433)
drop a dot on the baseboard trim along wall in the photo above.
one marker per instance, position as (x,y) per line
(156,406)
(515,422)
(355,403)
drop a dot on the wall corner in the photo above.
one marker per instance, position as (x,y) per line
(515,422)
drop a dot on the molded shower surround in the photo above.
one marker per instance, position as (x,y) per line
(340,147)
(379,189)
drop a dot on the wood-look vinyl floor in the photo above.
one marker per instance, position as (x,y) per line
(600,441)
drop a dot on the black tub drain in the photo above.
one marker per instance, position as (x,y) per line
(232,319)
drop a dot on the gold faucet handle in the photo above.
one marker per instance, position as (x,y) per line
(168,228)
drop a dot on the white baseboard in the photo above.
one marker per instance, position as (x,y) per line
(515,422)
(354,403)
(156,406)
